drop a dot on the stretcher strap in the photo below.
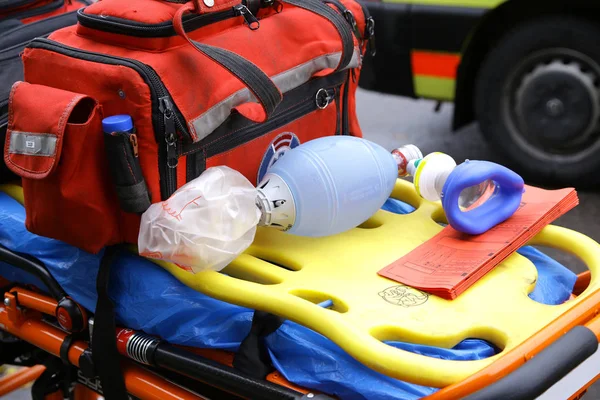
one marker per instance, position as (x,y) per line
(104,341)
(64,349)
(252,357)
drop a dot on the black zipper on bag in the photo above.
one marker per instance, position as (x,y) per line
(338,117)
(164,29)
(138,29)
(55,5)
(250,19)
(166,118)
(345,116)
(369,34)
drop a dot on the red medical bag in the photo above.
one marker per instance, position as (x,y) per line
(209,82)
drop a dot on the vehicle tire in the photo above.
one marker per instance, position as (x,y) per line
(537,100)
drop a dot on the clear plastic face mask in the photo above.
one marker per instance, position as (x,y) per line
(476,195)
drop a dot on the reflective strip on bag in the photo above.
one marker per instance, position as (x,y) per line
(206,123)
(32,144)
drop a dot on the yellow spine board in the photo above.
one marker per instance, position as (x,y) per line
(369,309)
(287,275)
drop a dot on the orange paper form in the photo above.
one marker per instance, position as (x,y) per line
(451,261)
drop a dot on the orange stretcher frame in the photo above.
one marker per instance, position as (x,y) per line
(23,319)
(26,324)
(586,313)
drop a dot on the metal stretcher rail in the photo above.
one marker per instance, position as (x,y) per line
(33,266)
(545,369)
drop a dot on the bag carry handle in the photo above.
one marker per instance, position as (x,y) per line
(315,6)
(253,77)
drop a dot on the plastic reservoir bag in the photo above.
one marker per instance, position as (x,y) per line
(205,224)
(149,299)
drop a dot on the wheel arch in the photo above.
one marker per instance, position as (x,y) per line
(492,27)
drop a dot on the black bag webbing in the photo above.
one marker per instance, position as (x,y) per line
(104,340)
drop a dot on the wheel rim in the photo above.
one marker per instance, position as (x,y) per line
(551,104)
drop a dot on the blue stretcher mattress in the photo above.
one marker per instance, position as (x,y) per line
(149,299)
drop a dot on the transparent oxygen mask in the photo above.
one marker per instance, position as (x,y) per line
(476,195)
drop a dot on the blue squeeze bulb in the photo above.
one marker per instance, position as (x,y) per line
(327,185)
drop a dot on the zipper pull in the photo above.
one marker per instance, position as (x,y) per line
(134,144)
(166,109)
(172,159)
(352,21)
(324,97)
(250,19)
(370,35)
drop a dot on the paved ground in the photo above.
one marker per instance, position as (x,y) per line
(393,121)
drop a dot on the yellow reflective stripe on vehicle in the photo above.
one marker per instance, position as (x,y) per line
(433,87)
(452,3)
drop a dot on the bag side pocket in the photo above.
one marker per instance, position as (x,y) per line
(54,143)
